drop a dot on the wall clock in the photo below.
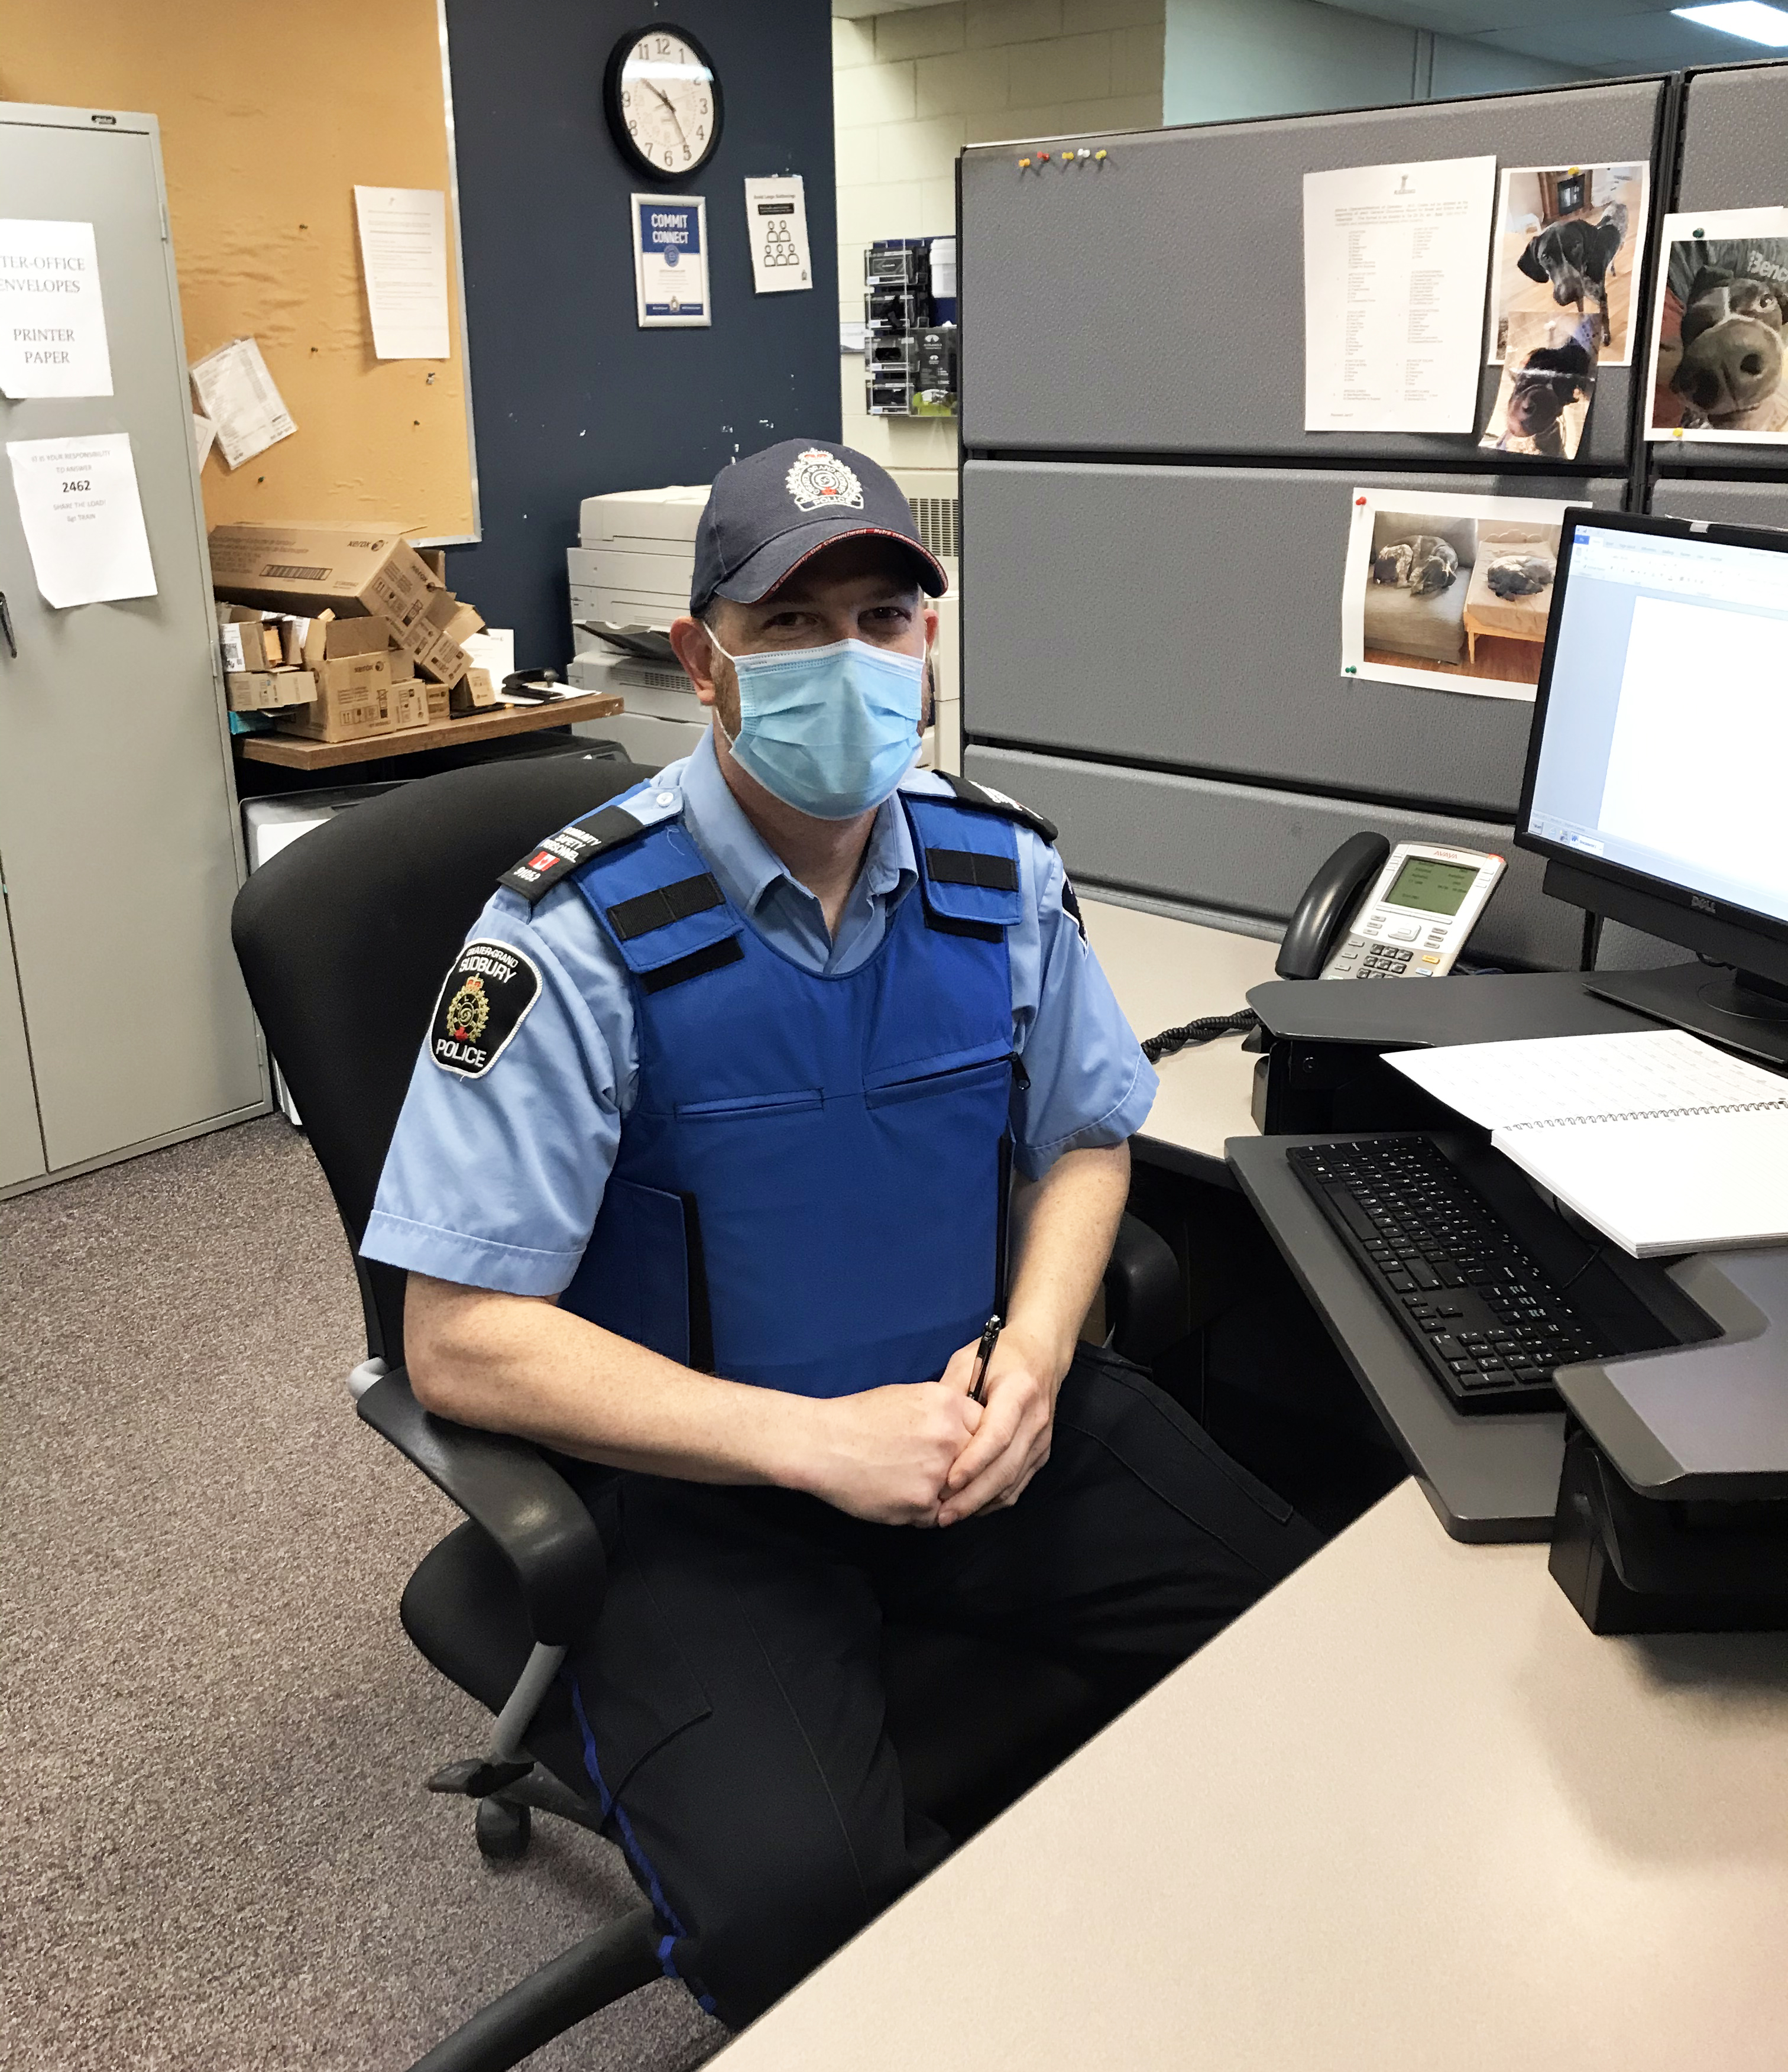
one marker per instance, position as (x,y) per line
(662,95)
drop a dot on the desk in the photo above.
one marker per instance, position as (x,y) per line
(292,751)
(1407,1813)
(1165,972)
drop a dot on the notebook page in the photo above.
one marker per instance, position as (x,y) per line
(1677,1183)
(1542,1080)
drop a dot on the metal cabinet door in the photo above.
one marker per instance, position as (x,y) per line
(21,1140)
(117,804)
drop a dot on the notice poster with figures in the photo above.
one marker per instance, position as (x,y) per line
(670,261)
(775,215)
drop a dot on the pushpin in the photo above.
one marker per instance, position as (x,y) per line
(1042,158)
(1082,153)
(1024,165)
(1100,157)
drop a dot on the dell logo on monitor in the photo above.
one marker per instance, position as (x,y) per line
(1701,905)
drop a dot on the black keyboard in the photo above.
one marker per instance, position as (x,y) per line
(1484,1315)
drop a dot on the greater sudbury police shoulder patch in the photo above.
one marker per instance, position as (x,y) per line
(484,1001)
(819,481)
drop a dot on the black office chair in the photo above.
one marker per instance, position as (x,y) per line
(342,939)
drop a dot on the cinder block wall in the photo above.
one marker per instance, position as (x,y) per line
(910,88)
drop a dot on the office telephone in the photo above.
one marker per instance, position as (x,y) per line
(1374,910)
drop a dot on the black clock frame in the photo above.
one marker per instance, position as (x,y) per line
(617,116)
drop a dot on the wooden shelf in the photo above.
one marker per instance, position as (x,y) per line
(291,751)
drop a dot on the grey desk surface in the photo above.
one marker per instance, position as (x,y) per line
(1166,971)
(1407,1812)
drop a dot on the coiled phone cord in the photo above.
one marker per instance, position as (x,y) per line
(1206,1030)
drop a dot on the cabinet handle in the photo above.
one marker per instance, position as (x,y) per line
(5,626)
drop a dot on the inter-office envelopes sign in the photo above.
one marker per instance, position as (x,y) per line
(52,320)
(670,259)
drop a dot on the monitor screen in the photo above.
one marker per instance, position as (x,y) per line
(1664,740)
(1431,886)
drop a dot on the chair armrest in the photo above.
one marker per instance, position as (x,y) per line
(1145,1302)
(537,1520)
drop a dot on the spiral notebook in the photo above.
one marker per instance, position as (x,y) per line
(1661,1141)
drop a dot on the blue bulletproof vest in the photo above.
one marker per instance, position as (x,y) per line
(810,1190)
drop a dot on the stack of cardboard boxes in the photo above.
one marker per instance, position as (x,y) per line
(338,635)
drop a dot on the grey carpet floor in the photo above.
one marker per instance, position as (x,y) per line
(217,1852)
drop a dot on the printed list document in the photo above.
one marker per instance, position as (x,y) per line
(404,256)
(1396,264)
(52,317)
(1663,1143)
(82,518)
(237,394)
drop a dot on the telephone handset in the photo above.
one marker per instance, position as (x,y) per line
(1374,910)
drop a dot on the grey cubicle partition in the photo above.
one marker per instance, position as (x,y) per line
(1191,617)
(1156,305)
(1152,626)
(1734,155)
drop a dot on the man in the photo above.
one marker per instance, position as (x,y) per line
(703,1178)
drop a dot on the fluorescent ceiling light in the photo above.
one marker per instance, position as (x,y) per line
(1748,18)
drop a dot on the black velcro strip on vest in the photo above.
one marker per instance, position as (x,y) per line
(970,866)
(629,918)
(714,957)
(946,924)
(701,1320)
(542,868)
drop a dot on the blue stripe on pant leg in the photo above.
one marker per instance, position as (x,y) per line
(635,1856)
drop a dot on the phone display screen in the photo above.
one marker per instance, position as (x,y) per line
(1432,887)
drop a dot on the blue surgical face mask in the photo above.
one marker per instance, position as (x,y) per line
(830,731)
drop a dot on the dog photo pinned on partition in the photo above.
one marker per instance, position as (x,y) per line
(1446,591)
(1568,244)
(1719,343)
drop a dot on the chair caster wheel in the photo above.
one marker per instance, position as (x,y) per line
(502,1831)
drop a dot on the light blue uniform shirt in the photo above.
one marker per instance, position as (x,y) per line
(495,1181)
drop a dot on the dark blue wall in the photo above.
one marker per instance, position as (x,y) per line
(570,396)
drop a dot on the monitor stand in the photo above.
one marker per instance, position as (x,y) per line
(1736,1008)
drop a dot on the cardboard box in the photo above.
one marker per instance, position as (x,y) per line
(411,704)
(440,698)
(440,659)
(334,639)
(353,699)
(266,690)
(463,624)
(355,572)
(401,664)
(474,691)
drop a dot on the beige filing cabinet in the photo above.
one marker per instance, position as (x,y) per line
(123,1022)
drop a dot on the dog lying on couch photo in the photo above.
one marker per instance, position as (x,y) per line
(1423,563)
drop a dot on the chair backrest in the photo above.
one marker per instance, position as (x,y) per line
(343,938)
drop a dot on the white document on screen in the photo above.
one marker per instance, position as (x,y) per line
(1700,743)
(82,518)
(1396,264)
(404,256)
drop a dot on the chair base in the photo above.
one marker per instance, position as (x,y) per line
(592,1975)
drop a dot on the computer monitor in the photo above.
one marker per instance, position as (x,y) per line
(1657,778)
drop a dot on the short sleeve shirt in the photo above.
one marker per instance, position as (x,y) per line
(496,1181)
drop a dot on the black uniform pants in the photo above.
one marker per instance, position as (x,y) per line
(728,1705)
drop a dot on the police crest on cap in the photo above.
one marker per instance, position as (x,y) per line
(819,481)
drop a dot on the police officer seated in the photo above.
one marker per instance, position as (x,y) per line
(703,1178)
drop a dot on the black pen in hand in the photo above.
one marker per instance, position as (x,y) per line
(983,1352)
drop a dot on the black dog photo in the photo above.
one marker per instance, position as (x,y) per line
(1568,246)
(1722,356)
(1548,380)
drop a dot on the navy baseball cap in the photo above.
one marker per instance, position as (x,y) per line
(768,512)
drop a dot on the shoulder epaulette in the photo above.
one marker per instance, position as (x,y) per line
(968,793)
(560,854)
